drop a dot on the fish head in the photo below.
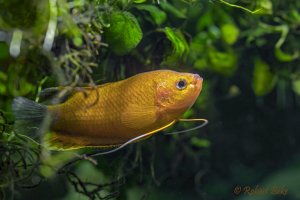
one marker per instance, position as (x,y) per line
(177,92)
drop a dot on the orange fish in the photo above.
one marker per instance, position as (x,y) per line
(114,113)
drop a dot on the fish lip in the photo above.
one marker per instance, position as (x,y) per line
(197,81)
(197,76)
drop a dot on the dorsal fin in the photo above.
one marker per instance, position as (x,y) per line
(62,93)
(65,92)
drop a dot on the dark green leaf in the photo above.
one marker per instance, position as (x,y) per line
(157,15)
(173,10)
(4,53)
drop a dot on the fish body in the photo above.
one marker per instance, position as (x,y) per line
(113,113)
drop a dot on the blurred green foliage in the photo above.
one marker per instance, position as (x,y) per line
(263,79)
(247,51)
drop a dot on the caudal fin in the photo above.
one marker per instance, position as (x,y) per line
(29,115)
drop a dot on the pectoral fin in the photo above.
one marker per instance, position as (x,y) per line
(136,117)
(133,140)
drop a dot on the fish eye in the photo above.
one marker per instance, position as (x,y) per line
(181,84)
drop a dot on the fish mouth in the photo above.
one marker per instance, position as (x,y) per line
(197,82)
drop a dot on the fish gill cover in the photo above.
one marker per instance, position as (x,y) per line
(246,51)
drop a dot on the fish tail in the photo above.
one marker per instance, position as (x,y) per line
(29,115)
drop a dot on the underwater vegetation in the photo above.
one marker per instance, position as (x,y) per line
(247,52)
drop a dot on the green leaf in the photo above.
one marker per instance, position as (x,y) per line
(157,15)
(294,16)
(45,12)
(54,161)
(263,79)
(188,114)
(198,46)
(4,53)
(280,55)
(285,57)
(198,142)
(18,85)
(2,89)
(3,79)
(283,29)
(139,1)
(230,33)
(204,21)
(124,32)
(180,46)
(222,62)
(296,86)
(214,32)
(3,76)
(173,10)
(265,7)
(201,64)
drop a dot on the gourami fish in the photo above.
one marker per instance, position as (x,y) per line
(114,113)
